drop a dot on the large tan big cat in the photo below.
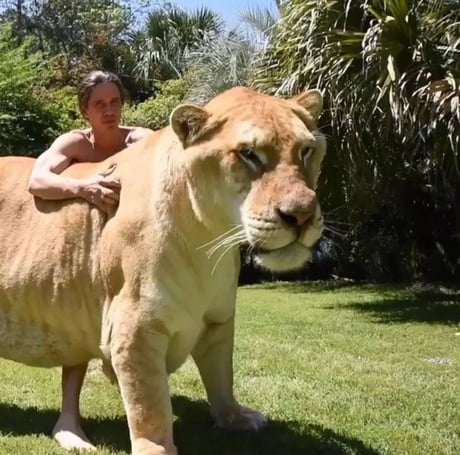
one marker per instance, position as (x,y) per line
(156,280)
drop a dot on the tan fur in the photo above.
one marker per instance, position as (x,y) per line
(142,288)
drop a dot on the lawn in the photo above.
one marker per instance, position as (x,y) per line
(339,369)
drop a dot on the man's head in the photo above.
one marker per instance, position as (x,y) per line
(101,98)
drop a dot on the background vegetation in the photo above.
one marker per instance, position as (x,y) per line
(389,70)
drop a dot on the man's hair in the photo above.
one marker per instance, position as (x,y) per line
(91,80)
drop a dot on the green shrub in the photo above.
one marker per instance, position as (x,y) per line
(390,74)
(63,102)
(27,122)
(154,112)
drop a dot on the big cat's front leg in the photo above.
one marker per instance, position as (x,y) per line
(138,354)
(213,355)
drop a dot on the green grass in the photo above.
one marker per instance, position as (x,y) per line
(339,370)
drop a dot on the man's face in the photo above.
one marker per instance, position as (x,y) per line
(104,106)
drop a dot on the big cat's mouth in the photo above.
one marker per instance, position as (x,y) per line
(292,256)
(260,250)
(294,244)
(279,249)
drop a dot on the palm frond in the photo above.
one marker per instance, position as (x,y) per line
(260,20)
(390,73)
(221,62)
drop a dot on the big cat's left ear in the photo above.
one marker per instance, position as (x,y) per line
(311,101)
(187,121)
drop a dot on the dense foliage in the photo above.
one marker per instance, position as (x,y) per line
(27,121)
(389,70)
(154,112)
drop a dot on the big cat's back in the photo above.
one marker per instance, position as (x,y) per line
(15,165)
(14,176)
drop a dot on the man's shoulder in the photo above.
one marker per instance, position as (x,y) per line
(71,143)
(74,137)
(136,133)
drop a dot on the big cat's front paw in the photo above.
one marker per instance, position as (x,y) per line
(146,447)
(240,418)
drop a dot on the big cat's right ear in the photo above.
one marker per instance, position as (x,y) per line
(311,101)
(187,121)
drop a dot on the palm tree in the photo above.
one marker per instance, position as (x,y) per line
(260,22)
(221,62)
(225,59)
(390,71)
(170,34)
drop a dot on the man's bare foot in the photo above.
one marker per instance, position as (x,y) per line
(70,435)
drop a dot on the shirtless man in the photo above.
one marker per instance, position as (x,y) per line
(100,98)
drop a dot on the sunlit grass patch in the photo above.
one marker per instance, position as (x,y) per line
(338,369)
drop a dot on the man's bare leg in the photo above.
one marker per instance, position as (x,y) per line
(68,431)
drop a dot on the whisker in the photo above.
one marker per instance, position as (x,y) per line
(238,226)
(224,242)
(333,231)
(334,210)
(337,224)
(337,230)
(332,221)
(253,246)
(222,255)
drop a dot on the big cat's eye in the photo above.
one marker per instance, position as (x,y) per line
(249,156)
(305,154)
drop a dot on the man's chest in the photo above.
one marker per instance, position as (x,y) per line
(90,154)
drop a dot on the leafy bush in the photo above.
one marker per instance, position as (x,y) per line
(390,72)
(154,112)
(63,102)
(27,122)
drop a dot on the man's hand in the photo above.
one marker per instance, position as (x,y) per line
(102,190)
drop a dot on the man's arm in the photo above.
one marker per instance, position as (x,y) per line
(46,183)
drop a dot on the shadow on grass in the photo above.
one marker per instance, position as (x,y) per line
(392,303)
(301,287)
(194,434)
(111,432)
(431,307)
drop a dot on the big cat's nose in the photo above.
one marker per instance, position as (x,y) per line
(295,218)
